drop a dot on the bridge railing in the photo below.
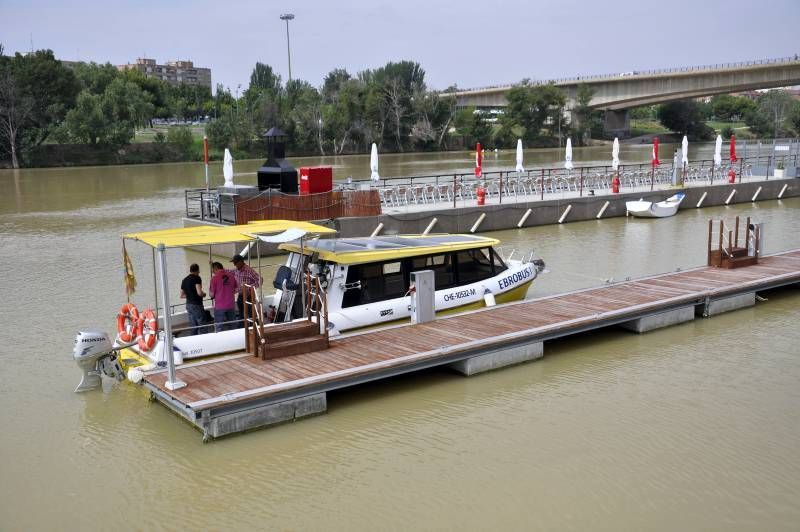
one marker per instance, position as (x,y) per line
(641,73)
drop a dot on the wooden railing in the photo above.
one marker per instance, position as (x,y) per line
(316,302)
(322,206)
(728,253)
(254,337)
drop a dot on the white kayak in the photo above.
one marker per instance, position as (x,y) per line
(649,209)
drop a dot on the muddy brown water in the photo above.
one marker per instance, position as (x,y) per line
(692,427)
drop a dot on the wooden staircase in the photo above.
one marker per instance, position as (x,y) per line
(290,338)
(728,253)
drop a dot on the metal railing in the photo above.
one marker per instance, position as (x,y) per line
(535,183)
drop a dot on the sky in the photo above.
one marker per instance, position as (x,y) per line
(465,43)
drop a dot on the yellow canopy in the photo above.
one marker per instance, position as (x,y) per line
(201,235)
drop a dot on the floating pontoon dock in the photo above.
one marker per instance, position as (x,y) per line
(242,392)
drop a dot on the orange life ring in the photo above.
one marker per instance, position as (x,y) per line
(127,323)
(147,330)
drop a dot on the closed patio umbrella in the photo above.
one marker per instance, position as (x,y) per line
(520,168)
(718,152)
(478,160)
(733,149)
(373,163)
(615,154)
(227,168)
(568,155)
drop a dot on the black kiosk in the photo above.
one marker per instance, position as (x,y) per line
(277,173)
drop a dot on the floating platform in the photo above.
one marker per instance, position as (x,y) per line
(241,392)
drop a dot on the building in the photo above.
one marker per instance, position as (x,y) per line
(174,72)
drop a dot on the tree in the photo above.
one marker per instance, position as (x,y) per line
(587,121)
(794,117)
(771,112)
(645,112)
(181,138)
(264,79)
(530,107)
(36,91)
(16,112)
(109,118)
(684,117)
(86,123)
(729,107)
(302,108)
(343,118)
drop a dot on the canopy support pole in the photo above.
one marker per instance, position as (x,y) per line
(155,282)
(302,265)
(172,382)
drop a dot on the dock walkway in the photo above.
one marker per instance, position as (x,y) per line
(241,392)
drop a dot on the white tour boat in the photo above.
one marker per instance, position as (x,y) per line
(366,282)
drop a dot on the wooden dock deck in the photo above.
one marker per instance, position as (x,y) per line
(241,392)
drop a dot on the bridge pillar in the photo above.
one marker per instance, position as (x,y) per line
(617,123)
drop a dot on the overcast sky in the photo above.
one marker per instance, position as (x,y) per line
(469,43)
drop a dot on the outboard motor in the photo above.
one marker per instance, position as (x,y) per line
(539,264)
(95,355)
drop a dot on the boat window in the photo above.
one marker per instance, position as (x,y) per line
(474,265)
(442,266)
(499,265)
(379,282)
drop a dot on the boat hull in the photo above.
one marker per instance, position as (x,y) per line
(649,209)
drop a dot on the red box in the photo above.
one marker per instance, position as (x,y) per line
(316,179)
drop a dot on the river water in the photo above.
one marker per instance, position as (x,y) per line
(692,427)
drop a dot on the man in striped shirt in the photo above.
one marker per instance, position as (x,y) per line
(244,275)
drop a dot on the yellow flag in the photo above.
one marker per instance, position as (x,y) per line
(130,278)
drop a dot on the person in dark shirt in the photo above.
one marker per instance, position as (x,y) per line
(192,292)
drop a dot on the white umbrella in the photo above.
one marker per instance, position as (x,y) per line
(520,168)
(718,152)
(373,163)
(615,154)
(227,168)
(685,150)
(568,155)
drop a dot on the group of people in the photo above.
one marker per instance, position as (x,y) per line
(225,289)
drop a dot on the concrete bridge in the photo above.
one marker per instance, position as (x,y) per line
(616,93)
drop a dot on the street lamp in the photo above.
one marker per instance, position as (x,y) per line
(287,17)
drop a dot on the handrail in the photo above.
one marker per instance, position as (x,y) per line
(317,301)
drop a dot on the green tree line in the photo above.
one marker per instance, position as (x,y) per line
(44,101)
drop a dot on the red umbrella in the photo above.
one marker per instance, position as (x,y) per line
(656,162)
(733,149)
(478,160)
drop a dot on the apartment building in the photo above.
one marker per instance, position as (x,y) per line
(173,72)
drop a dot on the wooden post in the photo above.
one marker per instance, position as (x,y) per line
(581,194)
(454,191)
(730,244)
(736,237)
(721,233)
(710,225)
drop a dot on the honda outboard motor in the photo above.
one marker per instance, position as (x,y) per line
(95,355)
(539,263)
